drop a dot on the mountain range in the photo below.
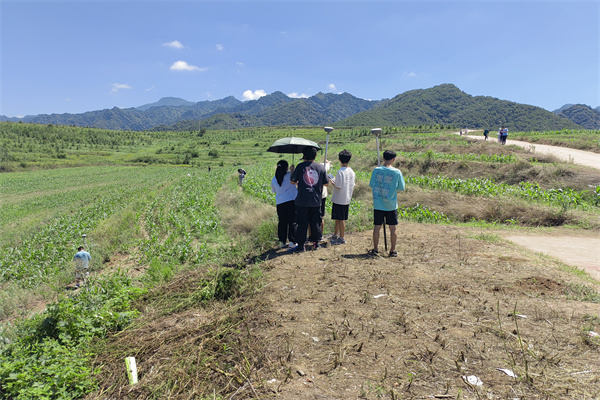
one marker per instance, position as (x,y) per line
(443,104)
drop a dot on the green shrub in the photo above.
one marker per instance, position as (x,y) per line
(228,284)
(49,361)
(45,370)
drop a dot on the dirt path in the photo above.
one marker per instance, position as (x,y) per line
(582,252)
(587,158)
(575,251)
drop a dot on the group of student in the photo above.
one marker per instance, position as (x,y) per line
(301,192)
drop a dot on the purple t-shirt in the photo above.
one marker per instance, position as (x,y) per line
(311,177)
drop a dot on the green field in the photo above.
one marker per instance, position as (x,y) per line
(148,197)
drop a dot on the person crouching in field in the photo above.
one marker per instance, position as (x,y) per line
(285,194)
(386,181)
(82,262)
(343,186)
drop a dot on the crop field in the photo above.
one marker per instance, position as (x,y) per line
(154,213)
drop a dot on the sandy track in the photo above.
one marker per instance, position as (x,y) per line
(582,252)
(587,158)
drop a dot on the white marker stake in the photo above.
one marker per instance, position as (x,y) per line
(131,370)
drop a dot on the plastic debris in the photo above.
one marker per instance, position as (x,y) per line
(507,372)
(378,296)
(472,380)
(315,339)
(593,334)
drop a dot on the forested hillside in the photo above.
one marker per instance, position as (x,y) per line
(441,105)
(447,104)
(582,115)
(273,109)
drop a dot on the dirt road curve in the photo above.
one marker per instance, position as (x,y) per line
(581,157)
(575,251)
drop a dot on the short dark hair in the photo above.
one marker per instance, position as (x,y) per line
(80,248)
(345,156)
(389,155)
(309,153)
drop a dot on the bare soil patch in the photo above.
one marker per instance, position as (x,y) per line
(353,326)
(337,324)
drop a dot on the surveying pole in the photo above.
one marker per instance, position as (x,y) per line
(327,129)
(377,133)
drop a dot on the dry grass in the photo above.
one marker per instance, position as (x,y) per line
(338,324)
(240,215)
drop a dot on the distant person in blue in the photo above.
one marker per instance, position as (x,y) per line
(285,195)
(82,262)
(386,182)
(503,134)
(242,175)
(486,133)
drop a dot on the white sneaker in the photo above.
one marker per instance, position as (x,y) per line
(292,245)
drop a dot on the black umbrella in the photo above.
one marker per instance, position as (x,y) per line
(292,145)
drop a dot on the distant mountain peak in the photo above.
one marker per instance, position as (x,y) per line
(167,101)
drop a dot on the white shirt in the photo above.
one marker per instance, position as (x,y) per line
(286,192)
(343,186)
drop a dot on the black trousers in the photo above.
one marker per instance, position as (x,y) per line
(286,228)
(305,217)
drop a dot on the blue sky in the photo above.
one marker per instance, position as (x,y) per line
(76,56)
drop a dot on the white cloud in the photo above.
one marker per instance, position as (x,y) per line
(150,89)
(332,87)
(410,74)
(184,66)
(240,64)
(176,44)
(116,87)
(250,95)
(295,95)
(219,47)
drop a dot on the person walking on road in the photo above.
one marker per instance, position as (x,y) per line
(386,181)
(285,195)
(310,177)
(503,135)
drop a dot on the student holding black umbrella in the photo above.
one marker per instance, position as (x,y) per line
(310,177)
